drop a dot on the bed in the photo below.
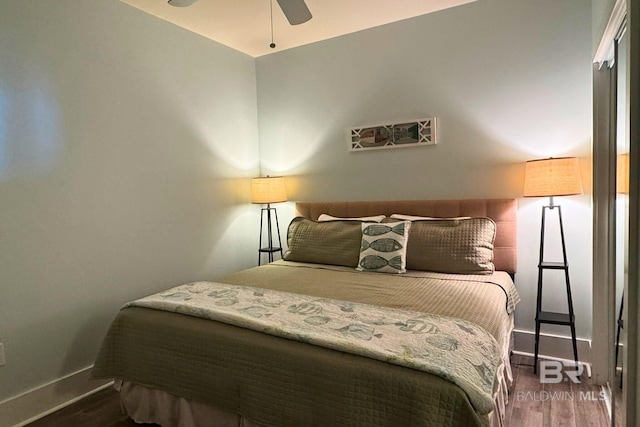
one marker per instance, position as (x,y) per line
(179,365)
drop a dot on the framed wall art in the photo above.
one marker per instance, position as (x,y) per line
(405,134)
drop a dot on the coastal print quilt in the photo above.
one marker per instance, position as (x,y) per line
(454,349)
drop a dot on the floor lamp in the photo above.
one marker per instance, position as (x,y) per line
(267,190)
(549,178)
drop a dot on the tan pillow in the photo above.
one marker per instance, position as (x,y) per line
(325,217)
(415,218)
(461,246)
(329,242)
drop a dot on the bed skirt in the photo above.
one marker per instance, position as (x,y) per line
(147,405)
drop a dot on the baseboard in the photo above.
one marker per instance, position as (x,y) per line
(551,346)
(41,401)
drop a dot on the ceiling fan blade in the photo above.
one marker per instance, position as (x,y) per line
(296,11)
(181,3)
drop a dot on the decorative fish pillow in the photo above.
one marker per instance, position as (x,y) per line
(384,247)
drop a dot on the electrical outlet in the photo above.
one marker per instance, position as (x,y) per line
(2,360)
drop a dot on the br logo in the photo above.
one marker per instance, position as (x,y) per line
(554,371)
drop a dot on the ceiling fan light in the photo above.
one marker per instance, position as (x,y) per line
(181,3)
(296,11)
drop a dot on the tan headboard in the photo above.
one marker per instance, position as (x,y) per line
(502,211)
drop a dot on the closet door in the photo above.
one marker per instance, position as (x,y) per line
(631,371)
(621,223)
(616,173)
(613,227)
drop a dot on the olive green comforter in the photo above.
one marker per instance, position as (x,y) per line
(275,381)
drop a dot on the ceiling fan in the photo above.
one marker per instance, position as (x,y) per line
(296,11)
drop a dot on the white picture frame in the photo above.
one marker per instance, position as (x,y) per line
(407,133)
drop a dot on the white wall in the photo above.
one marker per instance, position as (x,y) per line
(508,81)
(126,147)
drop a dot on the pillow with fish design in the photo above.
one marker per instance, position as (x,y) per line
(384,247)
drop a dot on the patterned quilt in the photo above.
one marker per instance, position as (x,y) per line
(454,349)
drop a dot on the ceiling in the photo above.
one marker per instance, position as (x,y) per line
(244,25)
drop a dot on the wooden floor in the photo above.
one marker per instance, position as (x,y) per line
(549,405)
(530,404)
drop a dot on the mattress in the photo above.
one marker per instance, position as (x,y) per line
(274,381)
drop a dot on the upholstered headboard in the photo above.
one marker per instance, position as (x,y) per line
(502,211)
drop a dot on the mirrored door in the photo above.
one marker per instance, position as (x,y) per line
(612,219)
(621,220)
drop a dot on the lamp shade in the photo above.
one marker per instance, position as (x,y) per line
(552,177)
(269,189)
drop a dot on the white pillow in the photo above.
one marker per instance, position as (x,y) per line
(325,217)
(417,218)
(384,247)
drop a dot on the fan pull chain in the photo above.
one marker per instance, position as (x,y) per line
(272,45)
